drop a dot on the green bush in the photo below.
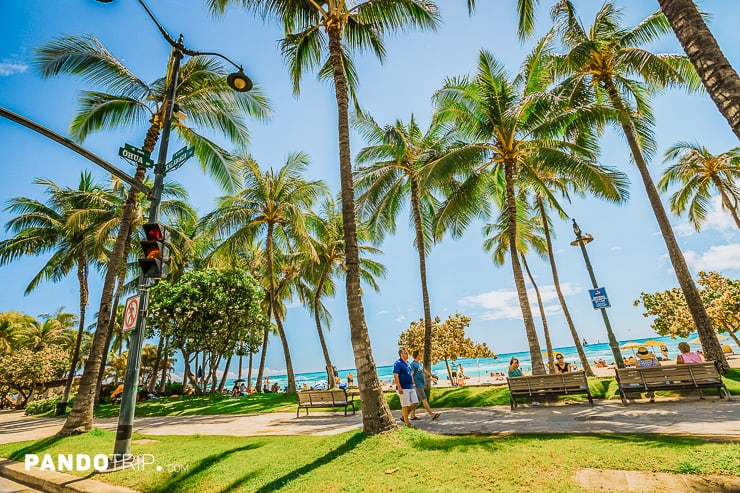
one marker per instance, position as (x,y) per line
(171,388)
(42,407)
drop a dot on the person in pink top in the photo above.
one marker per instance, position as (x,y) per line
(687,356)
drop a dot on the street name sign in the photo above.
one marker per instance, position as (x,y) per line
(135,154)
(181,156)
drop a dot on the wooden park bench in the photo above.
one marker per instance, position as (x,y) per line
(672,377)
(325,399)
(541,385)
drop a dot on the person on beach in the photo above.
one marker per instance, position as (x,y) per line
(454,374)
(350,380)
(460,375)
(560,365)
(646,359)
(514,370)
(687,356)
(404,385)
(418,372)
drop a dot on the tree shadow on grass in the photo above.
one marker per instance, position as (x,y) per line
(428,441)
(278,483)
(181,481)
(34,448)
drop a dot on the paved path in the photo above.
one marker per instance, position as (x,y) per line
(710,417)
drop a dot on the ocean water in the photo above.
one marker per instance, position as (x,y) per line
(483,367)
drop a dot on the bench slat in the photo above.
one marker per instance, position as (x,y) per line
(540,385)
(324,399)
(679,377)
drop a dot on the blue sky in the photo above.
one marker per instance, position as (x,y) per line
(628,253)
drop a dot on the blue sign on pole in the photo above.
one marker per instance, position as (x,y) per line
(599,298)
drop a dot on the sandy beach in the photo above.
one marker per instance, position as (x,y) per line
(732,359)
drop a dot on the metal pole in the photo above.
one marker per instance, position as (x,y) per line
(133,363)
(69,144)
(613,343)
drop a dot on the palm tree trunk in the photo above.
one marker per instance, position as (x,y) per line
(271,302)
(286,351)
(225,374)
(556,281)
(82,272)
(153,378)
(717,75)
(709,342)
(538,367)
(165,366)
(317,320)
(80,419)
(726,202)
(376,415)
(249,371)
(241,361)
(419,241)
(545,329)
(116,301)
(263,356)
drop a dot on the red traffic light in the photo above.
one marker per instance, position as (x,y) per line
(156,251)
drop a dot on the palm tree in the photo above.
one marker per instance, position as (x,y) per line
(402,164)
(529,234)
(698,171)
(318,276)
(506,123)
(545,185)
(271,207)
(67,225)
(54,331)
(201,91)
(717,75)
(606,59)
(11,325)
(335,28)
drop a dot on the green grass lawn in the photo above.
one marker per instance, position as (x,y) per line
(445,397)
(405,460)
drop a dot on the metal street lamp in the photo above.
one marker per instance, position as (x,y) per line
(581,241)
(239,82)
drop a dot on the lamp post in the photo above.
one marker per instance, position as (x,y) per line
(239,82)
(581,241)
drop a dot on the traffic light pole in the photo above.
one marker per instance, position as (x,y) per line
(133,364)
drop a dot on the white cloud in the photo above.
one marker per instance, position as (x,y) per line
(399,318)
(717,219)
(10,68)
(504,303)
(717,258)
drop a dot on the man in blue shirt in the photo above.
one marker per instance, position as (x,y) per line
(404,385)
(418,371)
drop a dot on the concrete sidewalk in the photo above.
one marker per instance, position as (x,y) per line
(709,417)
(715,418)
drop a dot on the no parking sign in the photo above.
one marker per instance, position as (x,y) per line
(131,313)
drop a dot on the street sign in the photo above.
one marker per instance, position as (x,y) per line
(131,313)
(135,154)
(180,157)
(599,298)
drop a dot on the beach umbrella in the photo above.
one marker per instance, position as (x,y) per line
(652,342)
(630,345)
